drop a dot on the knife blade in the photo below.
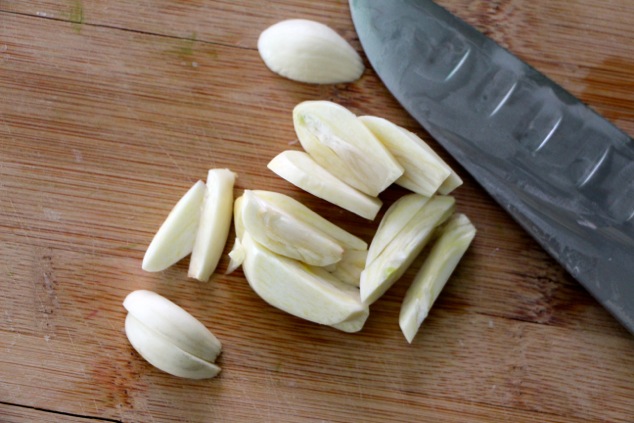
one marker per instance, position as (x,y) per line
(562,171)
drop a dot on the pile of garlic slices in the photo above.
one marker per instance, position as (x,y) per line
(293,258)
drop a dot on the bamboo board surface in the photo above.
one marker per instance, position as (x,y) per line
(109,111)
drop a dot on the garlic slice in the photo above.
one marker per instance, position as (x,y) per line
(287,227)
(304,214)
(425,171)
(394,220)
(298,168)
(309,51)
(304,291)
(214,225)
(445,254)
(399,254)
(169,337)
(175,238)
(338,141)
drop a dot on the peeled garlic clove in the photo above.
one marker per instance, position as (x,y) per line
(172,322)
(399,254)
(164,355)
(214,224)
(175,238)
(338,141)
(304,214)
(308,51)
(307,292)
(284,234)
(394,220)
(425,171)
(298,168)
(445,254)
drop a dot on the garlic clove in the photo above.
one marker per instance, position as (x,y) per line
(304,291)
(284,234)
(298,168)
(214,225)
(164,355)
(425,172)
(338,141)
(175,238)
(399,254)
(394,220)
(172,322)
(454,240)
(309,51)
(301,212)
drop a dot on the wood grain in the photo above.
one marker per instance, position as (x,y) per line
(110,110)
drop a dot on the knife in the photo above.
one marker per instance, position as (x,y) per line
(562,171)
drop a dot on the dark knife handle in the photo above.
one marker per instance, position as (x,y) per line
(561,170)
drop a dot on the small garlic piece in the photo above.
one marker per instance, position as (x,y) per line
(309,51)
(215,223)
(170,338)
(455,237)
(175,238)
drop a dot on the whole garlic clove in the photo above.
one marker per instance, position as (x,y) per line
(169,337)
(165,356)
(309,51)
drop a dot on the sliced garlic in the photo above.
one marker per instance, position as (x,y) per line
(293,207)
(308,51)
(338,141)
(287,227)
(284,234)
(304,291)
(298,168)
(394,220)
(445,254)
(169,337)
(425,171)
(399,254)
(349,269)
(214,225)
(175,238)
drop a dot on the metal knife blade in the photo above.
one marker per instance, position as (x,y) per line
(563,172)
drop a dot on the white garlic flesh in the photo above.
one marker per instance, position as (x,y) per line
(310,52)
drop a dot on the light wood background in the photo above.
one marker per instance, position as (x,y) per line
(110,110)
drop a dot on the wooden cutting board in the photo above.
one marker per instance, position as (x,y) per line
(110,110)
